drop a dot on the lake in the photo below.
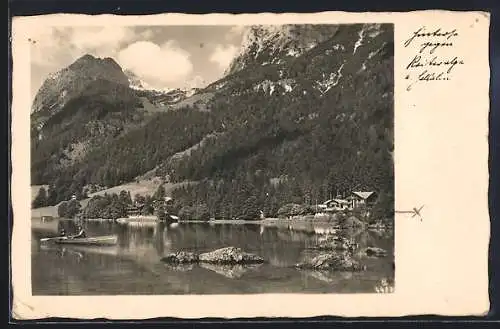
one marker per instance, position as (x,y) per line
(133,266)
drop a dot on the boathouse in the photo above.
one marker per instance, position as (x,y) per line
(134,211)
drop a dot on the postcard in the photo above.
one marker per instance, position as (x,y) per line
(250,165)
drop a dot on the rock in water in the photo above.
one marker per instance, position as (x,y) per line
(375,252)
(230,255)
(180,257)
(332,262)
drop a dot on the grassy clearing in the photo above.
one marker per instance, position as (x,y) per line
(143,187)
(200,99)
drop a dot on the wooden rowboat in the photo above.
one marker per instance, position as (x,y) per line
(107,240)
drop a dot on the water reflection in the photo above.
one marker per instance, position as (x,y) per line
(179,267)
(329,277)
(134,266)
(385,286)
(231,271)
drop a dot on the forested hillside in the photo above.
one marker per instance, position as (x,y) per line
(294,120)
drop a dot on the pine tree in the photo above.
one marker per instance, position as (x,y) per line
(160,193)
(62,209)
(250,209)
(41,199)
(125,197)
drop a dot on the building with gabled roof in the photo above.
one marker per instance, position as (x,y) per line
(334,205)
(362,198)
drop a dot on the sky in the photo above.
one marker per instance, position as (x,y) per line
(161,56)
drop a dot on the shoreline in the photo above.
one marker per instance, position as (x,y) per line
(221,221)
(308,225)
(258,221)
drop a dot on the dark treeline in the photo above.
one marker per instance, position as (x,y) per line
(108,206)
(113,206)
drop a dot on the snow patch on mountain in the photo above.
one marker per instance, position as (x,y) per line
(313,115)
(338,46)
(63,97)
(138,84)
(191,92)
(359,42)
(375,52)
(329,81)
(368,30)
(220,85)
(165,96)
(269,87)
(293,52)
(286,84)
(363,67)
(373,30)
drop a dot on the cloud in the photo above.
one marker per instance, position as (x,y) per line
(158,65)
(223,55)
(59,46)
(235,32)
(47,46)
(101,41)
(146,34)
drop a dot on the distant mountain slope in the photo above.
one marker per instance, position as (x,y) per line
(303,112)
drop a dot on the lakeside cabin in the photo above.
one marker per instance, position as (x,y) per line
(362,199)
(334,205)
(134,211)
(357,199)
(167,201)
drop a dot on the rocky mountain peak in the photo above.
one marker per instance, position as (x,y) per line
(87,61)
(272,44)
(70,81)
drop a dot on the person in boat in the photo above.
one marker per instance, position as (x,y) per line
(62,232)
(81,233)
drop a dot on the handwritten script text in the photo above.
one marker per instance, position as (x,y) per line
(432,59)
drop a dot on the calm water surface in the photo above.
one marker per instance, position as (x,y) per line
(134,266)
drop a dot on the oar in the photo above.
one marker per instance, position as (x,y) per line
(54,238)
(59,238)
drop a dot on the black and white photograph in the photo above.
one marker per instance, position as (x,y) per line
(212,159)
